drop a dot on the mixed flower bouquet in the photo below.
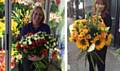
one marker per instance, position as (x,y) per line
(39,44)
(90,35)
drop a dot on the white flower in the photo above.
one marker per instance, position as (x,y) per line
(29,42)
(107,29)
(91,48)
(54,44)
(47,42)
(24,43)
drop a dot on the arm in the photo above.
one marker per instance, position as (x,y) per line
(108,21)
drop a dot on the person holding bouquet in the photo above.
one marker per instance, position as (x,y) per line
(36,25)
(102,9)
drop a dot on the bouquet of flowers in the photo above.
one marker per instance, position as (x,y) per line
(90,35)
(38,44)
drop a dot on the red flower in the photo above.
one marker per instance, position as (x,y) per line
(54,55)
(25,46)
(42,41)
(57,2)
(29,34)
(18,46)
(33,45)
(25,51)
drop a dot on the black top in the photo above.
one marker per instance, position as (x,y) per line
(30,29)
(107,19)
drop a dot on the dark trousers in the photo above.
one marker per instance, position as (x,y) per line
(99,61)
(26,65)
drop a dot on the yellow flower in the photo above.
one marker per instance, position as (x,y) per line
(14,28)
(82,21)
(2,27)
(95,17)
(102,26)
(103,35)
(82,44)
(14,25)
(84,30)
(80,36)
(2,1)
(26,19)
(99,42)
(109,39)
(88,36)
(73,35)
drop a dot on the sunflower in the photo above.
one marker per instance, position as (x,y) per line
(99,42)
(88,36)
(82,44)
(82,21)
(108,40)
(84,30)
(95,17)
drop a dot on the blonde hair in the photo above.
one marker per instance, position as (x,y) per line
(41,9)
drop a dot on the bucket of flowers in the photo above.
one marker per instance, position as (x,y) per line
(90,34)
(39,44)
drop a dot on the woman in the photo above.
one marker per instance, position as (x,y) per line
(102,8)
(36,25)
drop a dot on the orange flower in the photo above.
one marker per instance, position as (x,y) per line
(108,40)
(83,44)
(103,35)
(84,30)
(99,42)
(81,21)
(88,36)
(54,55)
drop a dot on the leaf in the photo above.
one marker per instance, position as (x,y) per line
(39,65)
(99,57)
(82,54)
(118,52)
(91,58)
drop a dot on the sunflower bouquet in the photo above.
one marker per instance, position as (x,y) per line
(38,44)
(90,34)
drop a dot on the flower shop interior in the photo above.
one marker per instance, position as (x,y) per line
(76,10)
(14,14)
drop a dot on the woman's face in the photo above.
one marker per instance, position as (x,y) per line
(37,16)
(100,7)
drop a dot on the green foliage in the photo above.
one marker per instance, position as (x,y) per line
(39,65)
(118,52)
(19,12)
(2,10)
(54,7)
